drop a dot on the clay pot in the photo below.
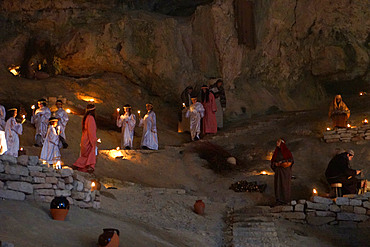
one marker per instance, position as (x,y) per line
(199,207)
(59,208)
(109,238)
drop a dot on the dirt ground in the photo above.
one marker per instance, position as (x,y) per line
(152,205)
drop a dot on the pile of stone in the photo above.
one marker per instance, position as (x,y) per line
(320,211)
(26,177)
(347,134)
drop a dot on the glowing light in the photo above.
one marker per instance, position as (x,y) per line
(348,126)
(99,140)
(58,165)
(183,104)
(14,70)
(264,173)
(118,109)
(23,116)
(92,184)
(88,98)
(314,191)
(117,148)
(21,149)
(33,107)
(365,121)
(138,112)
(362,93)
(68,111)
(328,129)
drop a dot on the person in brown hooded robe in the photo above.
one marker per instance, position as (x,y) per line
(339,112)
(281,163)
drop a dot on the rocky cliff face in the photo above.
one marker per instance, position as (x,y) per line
(303,47)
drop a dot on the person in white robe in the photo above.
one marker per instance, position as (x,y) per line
(3,146)
(184,123)
(219,92)
(195,112)
(40,119)
(127,122)
(62,117)
(12,130)
(149,139)
(50,150)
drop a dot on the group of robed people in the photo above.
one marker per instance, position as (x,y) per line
(206,114)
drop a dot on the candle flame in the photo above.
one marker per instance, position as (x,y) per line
(68,111)
(99,140)
(14,70)
(327,128)
(348,126)
(117,148)
(138,112)
(183,104)
(314,191)
(21,149)
(361,93)
(118,109)
(23,116)
(366,121)
(33,107)
(58,165)
(264,172)
(92,184)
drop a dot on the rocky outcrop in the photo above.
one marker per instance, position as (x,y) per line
(301,46)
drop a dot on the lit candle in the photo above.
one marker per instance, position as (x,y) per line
(68,111)
(366,121)
(33,107)
(99,140)
(92,100)
(314,192)
(263,173)
(183,104)
(361,93)
(138,112)
(92,184)
(327,128)
(58,165)
(348,126)
(21,149)
(23,116)
(117,148)
(118,109)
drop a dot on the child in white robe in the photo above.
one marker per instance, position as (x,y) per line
(50,150)
(195,112)
(62,117)
(149,139)
(127,122)
(41,118)
(3,146)
(12,130)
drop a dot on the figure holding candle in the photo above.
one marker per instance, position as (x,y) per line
(184,123)
(127,122)
(40,118)
(281,163)
(195,112)
(149,139)
(50,150)
(339,112)
(87,160)
(62,117)
(3,146)
(12,132)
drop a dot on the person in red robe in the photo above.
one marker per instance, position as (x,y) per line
(210,107)
(281,163)
(87,160)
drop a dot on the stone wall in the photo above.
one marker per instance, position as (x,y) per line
(27,178)
(347,135)
(349,210)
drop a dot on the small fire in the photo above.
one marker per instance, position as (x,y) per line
(68,111)
(117,148)
(314,191)
(58,165)
(99,140)
(33,107)
(118,109)
(264,173)
(93,184)
(328,129)
(14,70)
(348,126)
(365,121)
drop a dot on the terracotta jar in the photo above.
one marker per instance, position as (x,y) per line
(109,238)
(199,207)
(59,208)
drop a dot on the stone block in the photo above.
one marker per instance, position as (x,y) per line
(318,221)
(330,137)
(346,208)
(44,192)
(42,186)
(53,174)
(332,140)
(334,208)
(83,204)
(34,168)
(322,200)
(293,203)
(87,197)
(281,208)
(367,194)
(325,214)
(317,206)
(26,179)
(70,200)
(2,167)
(347,224)
(8,158)
(16,170)
(96,205)
(9,177)
(351,217)
(66,172)
(51,180)
(97,198)
(68,180)
(42,198)
(355,202)
(78,177)
(366,204)
(61,185)
(33,160)
(294,215)
(342,201)
(47,169)
(299,208)
(38,174)
(38,180)
(69,186)
(1,185)
(359,210)
(20,186)
(78,195)
(329,132)
(77,185)
(87,185)
(55,186)
(22,160)
(356,138)
(64,193)
(12,195)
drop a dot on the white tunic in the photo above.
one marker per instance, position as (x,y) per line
(3,146)
(41,121)
(149,138)
(12,130)
(128,125)
(195,113)
(63,118)
(50,150)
